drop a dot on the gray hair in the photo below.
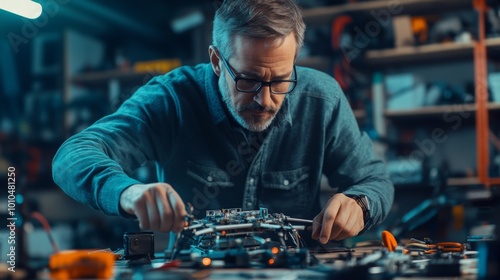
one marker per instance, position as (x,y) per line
(263,19)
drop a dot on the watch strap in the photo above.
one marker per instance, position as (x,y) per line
(362,201)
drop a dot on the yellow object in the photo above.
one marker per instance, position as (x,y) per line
(156,66)
(420,28)
(389,241)
(75,264)
(458,216)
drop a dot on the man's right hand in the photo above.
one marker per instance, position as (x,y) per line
(157,206)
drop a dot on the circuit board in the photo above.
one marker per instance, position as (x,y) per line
(236,238)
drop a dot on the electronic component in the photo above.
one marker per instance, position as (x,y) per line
(138,245)
(237,238)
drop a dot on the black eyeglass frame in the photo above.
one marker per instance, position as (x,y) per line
(262,83)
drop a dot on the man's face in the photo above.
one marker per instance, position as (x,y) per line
(260,60)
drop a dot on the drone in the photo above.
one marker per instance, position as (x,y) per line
(235,238)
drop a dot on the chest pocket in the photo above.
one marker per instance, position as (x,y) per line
(208,176)
(286,191)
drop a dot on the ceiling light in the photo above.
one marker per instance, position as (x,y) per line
(188,21)
(24,8)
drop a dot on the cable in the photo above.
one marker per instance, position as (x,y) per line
(46,227)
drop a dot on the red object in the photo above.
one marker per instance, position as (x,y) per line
(169,265)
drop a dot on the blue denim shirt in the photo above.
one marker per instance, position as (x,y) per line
(179,121)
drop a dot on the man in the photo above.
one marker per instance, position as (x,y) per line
(249,130)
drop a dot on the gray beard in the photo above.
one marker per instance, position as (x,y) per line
(254,125)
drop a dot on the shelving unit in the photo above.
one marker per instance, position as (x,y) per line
(322,15)
(103,77)
(414,55)
(476,51)
(482,116)
(435,111)
(83,55)
(426,53)
(467,181)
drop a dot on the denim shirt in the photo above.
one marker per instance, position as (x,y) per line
(179,121)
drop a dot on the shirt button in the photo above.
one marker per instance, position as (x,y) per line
(286,182)
(251,181)
(210,179)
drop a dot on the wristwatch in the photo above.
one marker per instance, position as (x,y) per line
(364,204)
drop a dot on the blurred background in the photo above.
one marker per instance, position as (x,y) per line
(407,68)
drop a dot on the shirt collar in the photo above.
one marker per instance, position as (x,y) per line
(214,99)
(216,106)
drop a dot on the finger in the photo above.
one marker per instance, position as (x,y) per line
(353,223)
(153,214)
(338,224)
(345,233)
(153,217)
(179,210)
(141,212)
(316,226)
(356,222)
(342,235)
(329,217)
(166,213)
(349,230)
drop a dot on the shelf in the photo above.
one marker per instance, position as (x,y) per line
(99,78)
(321,15)
(433,111)
(493,45)
(405,55)
(426,53)
(467,181)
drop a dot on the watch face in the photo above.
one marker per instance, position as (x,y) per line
(365,202)
(362,201)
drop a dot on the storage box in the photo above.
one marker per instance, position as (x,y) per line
(494,83)
(404,91)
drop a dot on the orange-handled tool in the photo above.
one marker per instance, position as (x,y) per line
(389,241)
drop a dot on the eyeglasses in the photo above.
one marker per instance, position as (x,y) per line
(254,86)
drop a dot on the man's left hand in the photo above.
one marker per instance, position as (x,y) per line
(341,218)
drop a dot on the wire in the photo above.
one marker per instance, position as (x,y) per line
(46,227)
